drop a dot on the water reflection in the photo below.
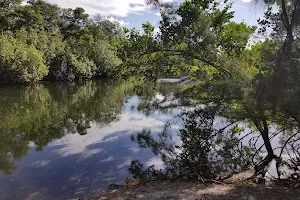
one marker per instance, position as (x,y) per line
(64,141)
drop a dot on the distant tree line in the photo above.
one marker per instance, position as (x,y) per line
(40,41)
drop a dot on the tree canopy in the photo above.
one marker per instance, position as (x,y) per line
(55,43)
(240,88)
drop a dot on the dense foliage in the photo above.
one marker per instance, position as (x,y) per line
(40,41)
(20,62)
(243,97)
(239,89)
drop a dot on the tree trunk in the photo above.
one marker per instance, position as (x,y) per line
(267,142)
(260,169)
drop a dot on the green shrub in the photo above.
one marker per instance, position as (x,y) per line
(51,44)
(101,52)
(20,62)
(105,58)
(67,67)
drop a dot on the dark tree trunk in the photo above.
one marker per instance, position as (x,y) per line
(267,142)
(260,169)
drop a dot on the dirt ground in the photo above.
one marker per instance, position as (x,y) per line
(193,191)
(234,189)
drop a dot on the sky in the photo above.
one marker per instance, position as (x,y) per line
(132,13)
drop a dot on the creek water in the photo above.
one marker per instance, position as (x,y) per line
(71,140)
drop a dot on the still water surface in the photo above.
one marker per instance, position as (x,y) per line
(71,140)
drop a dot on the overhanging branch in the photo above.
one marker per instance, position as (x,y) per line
(191,55)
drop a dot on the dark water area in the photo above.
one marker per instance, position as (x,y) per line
(71,140)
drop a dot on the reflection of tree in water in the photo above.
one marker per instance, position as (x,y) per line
(148,90)
(288,163)
(204,149)
(42,113)
(221,138)
(253,87)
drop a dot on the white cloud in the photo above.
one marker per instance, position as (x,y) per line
(134,149)
(109,159)
(31,144)
(76,144)
(91,152)
(246,1)
(158,13)
(126,163)
(110,139)
(121,22)
(157,162)
(238,6)
(41,163)
(156,30)
(120,8)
